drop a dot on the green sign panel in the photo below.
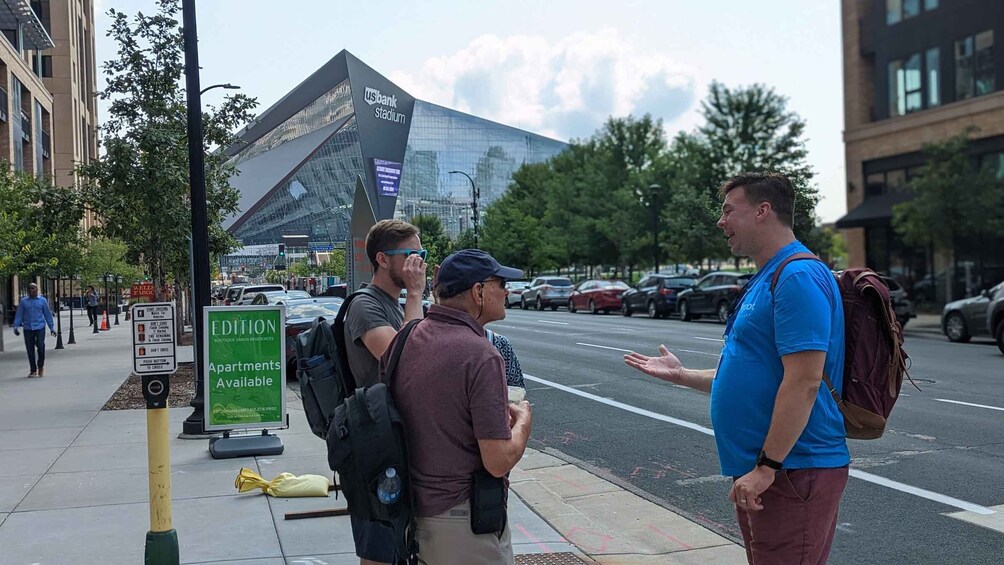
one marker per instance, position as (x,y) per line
(245,360)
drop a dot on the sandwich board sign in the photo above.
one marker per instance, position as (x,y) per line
(153,339)
(244,349)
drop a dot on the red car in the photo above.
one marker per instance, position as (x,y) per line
(597,296)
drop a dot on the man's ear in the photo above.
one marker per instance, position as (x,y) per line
(763,210)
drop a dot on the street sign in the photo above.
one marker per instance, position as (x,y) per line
(245,359)
(153,339)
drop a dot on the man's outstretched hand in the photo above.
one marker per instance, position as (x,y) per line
(666,366)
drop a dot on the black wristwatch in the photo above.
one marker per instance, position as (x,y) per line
(762,459)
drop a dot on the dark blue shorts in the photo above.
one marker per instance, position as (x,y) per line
(374,541)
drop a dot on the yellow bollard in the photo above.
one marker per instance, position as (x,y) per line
(162,539)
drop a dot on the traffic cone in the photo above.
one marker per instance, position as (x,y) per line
(104,322)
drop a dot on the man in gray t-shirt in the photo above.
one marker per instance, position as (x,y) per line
(368,312)
(371,322)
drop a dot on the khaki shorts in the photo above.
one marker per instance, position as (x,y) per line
(447,539)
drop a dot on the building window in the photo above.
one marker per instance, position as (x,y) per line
(974,65)
(930,5)
(899,10)
(905,86)
(42,65)
(994,162)
(933,64)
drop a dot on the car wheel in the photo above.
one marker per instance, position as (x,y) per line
(625,310)
(653,312)
(592,308)
(538,304)
(955,328)
(1000,337)
(522,303)
(685,314)
(571,306)
(723,311)
(554,307)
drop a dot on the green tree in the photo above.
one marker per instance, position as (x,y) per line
(335,264)
(953,199)
(434,237)
(39,225)
(139,187)
(102,256)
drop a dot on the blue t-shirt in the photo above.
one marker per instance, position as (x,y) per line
(804,314)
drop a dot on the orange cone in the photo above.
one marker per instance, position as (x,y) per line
(104,322)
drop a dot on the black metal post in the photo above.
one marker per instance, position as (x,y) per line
(195,424)
(59,312)
(72,341)
(107,301)
(655,224)
(474,203)
(118,299)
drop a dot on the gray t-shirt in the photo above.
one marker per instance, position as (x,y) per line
(367,312)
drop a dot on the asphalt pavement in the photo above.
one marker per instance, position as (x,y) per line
(929,491)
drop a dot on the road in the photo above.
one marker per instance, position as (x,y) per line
(943,453)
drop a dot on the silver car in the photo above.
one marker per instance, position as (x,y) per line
(515,289)
(965,319)
(546,292)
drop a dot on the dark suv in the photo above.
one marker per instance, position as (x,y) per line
(546,292)
(715,293)
(995,316)
(655,294)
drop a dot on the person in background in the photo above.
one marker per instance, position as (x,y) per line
(34,315)
(91,300)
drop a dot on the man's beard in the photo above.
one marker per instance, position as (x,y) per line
(397,279)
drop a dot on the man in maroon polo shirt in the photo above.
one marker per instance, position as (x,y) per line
(451,392)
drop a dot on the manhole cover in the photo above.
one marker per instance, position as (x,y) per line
(563,558)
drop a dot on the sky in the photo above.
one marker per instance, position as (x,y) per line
(559,68)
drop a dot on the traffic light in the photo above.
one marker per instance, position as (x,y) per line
(282,250)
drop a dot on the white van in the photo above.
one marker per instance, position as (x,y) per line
(248,293)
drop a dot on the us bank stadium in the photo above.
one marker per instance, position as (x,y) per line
(298,163)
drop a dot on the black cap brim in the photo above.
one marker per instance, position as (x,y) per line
(509,273)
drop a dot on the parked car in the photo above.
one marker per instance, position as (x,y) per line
(545,292)
(995,314)
(404,297)
(901,303)
(515,289)
(597,296)
(247,293)
(232,293)
(221,292)
(655,294)
(279,296)
(300,316)
(965,319)
(715,293)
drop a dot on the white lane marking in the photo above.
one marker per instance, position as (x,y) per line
(604,347)
(550,322)
(970,404)
(710,339)
(875,479)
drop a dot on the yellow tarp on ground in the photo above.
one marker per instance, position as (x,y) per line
(285,485)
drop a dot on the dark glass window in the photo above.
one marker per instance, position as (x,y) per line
(974,65)
(930,4)
(933,64)
(994,162)
(905,86)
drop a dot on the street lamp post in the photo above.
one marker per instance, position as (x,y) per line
(108,277)
(59,312)
(195,424)
(73,278)
(118,297)
(474,202)
(654,191)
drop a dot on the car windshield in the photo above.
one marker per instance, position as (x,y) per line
(295,293)
(611,284)
(517,284)
(313,310)
(558,282)
(681,282)
(233,292)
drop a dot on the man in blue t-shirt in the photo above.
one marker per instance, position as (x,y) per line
(779,433)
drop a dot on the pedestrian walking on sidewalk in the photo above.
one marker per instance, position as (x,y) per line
(33,314)
(780,435)
(91,299)
(463,434)
(371,322)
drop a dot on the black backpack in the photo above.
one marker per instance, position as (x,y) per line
(366,437)
(322,368)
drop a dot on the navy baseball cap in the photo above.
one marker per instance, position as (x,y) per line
(462,269)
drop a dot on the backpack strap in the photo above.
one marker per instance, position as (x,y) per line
(348,380)
(395,354)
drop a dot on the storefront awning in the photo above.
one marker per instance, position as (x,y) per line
(875,211)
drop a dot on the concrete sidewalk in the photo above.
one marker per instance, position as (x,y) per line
(73,485)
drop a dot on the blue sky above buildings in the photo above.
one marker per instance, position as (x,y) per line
(557,68)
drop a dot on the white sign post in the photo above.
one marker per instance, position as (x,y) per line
(153,339)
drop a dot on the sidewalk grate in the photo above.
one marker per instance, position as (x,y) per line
(563,558)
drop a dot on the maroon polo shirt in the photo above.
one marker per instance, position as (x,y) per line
(450,389)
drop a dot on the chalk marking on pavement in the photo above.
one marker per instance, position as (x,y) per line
(875,479)
(710,339)
(550,322)
(970,404)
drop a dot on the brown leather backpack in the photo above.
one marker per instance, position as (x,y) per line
(874,360)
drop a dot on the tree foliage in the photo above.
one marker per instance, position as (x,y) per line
(434,237)
(39,226)
(139,187)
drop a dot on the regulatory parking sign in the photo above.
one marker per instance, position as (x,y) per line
(153,344)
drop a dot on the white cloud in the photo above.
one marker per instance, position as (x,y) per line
(563,89)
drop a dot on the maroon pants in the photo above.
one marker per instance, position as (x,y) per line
(798,519)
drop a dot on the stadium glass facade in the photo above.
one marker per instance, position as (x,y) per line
(299,164)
